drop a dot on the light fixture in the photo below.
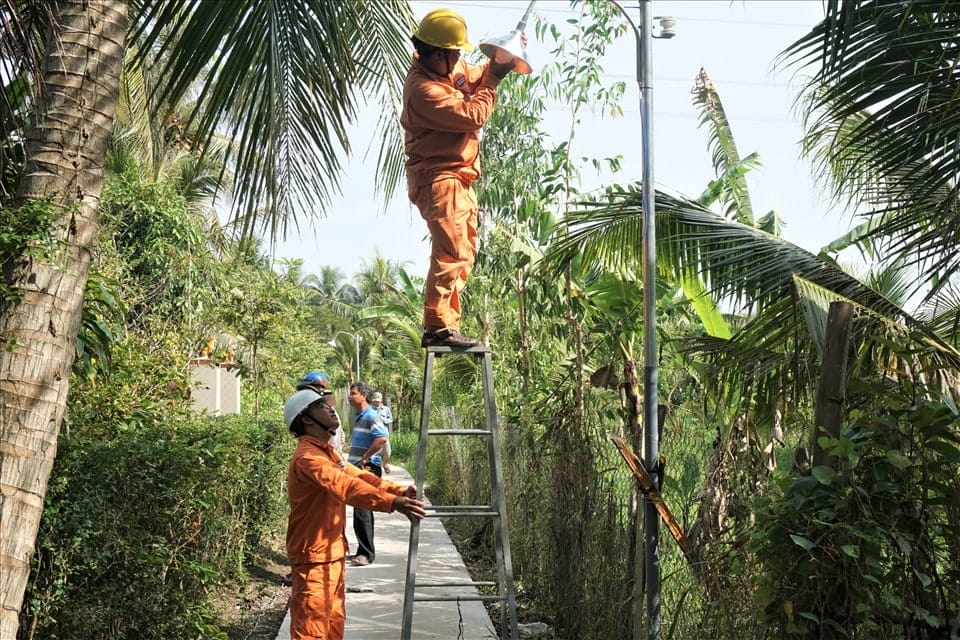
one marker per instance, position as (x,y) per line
(509,48)
(667,26)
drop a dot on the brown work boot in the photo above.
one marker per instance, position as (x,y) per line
(446,338)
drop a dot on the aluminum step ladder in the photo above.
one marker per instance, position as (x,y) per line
(496,509)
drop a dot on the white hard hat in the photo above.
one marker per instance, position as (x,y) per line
(298,403)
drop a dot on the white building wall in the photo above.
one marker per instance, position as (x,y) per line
(215,387)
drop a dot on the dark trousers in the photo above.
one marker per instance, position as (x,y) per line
(363,523)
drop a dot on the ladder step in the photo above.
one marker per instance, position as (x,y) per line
(474,350)
(458,432)
(464,514)
(461,507)
(463,598)
(454,584)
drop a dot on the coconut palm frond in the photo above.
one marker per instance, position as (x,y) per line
(284,79)
(379,38)
(942,313)
(845,160)
(338,307)
(744,267)
(133,122)
(377,277)
(23,25)
(726,158)
(902,350)
(895,281)
(737,371)
(883,110)
(779,350)
(753,271)
(771,223)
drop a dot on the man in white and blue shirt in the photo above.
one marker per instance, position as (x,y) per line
(387,417)
(369,436)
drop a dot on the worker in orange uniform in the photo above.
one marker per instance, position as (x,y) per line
(320,485)
(445,104)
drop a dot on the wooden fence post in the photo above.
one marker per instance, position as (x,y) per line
(828,413)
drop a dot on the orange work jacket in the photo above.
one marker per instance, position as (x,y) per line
(442,117)
(320,485)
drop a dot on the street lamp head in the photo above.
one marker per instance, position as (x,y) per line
(510,48)
(667,26)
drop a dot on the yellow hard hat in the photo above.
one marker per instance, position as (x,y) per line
(444,28)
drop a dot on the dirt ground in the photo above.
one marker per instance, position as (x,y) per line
(254,610)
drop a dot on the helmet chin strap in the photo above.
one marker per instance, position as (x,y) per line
(333,432)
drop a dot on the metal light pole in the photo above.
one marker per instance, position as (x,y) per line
(651,439)
(356,350)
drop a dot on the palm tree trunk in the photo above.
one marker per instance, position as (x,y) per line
(65,155)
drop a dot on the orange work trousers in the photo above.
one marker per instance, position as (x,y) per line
(450,209)
(317,610)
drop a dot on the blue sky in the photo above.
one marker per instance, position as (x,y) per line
(736,42)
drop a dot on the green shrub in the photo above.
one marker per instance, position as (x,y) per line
(25,231)
(403,449)
(867,548)
(139,527)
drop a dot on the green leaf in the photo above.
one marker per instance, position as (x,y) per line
(843,448)
(824,474)
(851,550)
(898,460)
(706,307)
(881,109)
(806,543)
(945,449)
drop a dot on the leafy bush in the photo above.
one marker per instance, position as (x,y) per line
(140,526)
(24,231)
(867,548)
(403,448)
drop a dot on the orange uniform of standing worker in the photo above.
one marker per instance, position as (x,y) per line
(319,485)
(445,104)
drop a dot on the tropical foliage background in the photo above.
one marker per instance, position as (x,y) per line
(796,527)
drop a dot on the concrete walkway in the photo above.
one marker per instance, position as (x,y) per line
(377,614)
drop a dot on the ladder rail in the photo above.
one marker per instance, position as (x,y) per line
(408,589)
(498,496)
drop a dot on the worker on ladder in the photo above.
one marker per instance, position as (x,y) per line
(446,102)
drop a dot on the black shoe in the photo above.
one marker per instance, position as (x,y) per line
(446,338)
